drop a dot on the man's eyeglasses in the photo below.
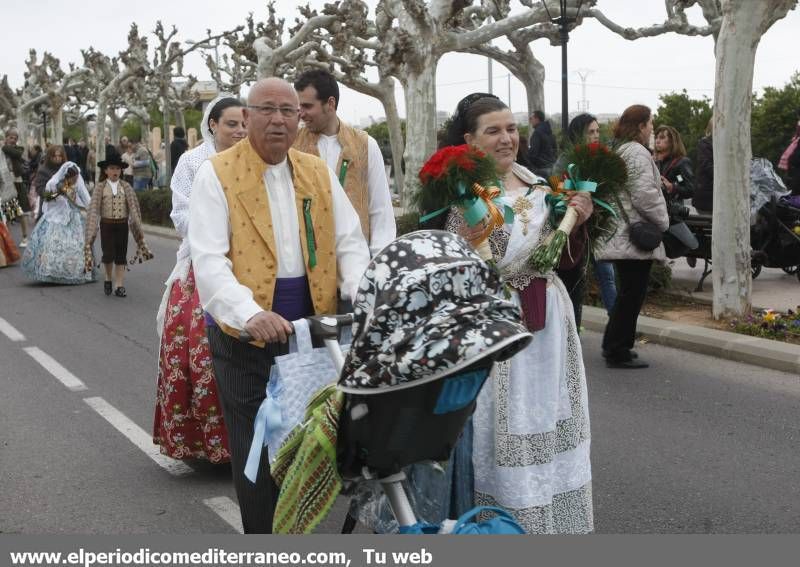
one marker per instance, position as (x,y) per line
(267,110)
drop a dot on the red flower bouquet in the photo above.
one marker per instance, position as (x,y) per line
(464,177)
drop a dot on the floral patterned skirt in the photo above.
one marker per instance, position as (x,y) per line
(188,419)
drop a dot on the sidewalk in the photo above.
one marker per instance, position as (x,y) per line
(772,289)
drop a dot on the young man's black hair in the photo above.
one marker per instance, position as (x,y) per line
(322,81)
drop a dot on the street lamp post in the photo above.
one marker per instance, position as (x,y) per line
(563,21)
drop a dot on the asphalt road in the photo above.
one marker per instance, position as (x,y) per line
(692,445)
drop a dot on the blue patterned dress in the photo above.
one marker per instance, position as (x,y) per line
(55,249)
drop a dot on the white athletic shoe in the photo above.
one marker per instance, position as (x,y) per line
(23,243)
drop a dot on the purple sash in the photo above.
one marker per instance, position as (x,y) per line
(291,300)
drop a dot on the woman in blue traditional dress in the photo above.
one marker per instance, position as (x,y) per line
(55,252)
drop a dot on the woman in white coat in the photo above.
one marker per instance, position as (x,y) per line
(643,201)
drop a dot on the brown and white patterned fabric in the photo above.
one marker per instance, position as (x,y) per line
(426,307)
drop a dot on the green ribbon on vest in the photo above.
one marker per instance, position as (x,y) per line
(343,171)
(310,241)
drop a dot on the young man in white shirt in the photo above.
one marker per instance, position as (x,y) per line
(352,154)
(273,236)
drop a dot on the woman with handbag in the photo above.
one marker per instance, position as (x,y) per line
(637,239)
(531,437)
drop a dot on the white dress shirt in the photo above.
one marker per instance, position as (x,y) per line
(220,292)
(114,187)
(381,213)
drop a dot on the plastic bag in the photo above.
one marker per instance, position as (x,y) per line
(764,185)
(293,381)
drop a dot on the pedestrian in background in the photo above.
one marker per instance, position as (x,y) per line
(703,199)
(584,129)
(642,202)
(790,162)
(142,168)
(542,148)
(178,146)
(14,154)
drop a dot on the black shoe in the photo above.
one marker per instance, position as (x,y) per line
(633,354)
(630,364)
(692,261)
(120,292)
(107,288)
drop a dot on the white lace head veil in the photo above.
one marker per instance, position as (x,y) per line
(57,210)
(205,130)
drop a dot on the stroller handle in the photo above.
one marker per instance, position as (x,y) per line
(322,327)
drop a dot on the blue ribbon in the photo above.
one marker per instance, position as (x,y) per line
(575,183)
(267,418)
(474,208)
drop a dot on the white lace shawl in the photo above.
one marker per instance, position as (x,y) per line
(58,210)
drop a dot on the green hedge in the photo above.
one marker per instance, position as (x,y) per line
(156,206)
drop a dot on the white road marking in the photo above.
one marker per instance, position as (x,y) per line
(137,436)
(226,509)
(53,367)
(9,331)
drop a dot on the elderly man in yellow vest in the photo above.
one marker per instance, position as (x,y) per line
(272,236)
(352,154)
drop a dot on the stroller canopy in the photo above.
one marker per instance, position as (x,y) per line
(427,307)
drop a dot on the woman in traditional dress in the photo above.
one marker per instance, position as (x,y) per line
(188,418)
(9,253)
(530,449)
(55,252)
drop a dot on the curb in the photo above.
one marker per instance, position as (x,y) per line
(162,231)
(731,346)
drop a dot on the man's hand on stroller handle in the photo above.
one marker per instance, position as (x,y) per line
(322,327)
(269,327)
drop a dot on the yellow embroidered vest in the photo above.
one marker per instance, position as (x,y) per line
(252,242)
(355,150)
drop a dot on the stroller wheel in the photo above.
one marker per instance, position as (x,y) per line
(791,270)
(756,269)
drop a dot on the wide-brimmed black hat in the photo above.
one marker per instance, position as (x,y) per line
(427,306)
(113,160)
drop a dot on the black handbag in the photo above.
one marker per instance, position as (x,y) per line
(645,235)
(679,240)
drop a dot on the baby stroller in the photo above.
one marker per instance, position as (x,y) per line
(429,321)
(775,222)
(775,237)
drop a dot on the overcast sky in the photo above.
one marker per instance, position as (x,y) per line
(620,72)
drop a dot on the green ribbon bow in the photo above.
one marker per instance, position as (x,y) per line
(474,208)
(575,183)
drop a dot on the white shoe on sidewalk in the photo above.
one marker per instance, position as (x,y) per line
(23,243)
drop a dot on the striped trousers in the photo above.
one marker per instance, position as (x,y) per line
(242,371)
